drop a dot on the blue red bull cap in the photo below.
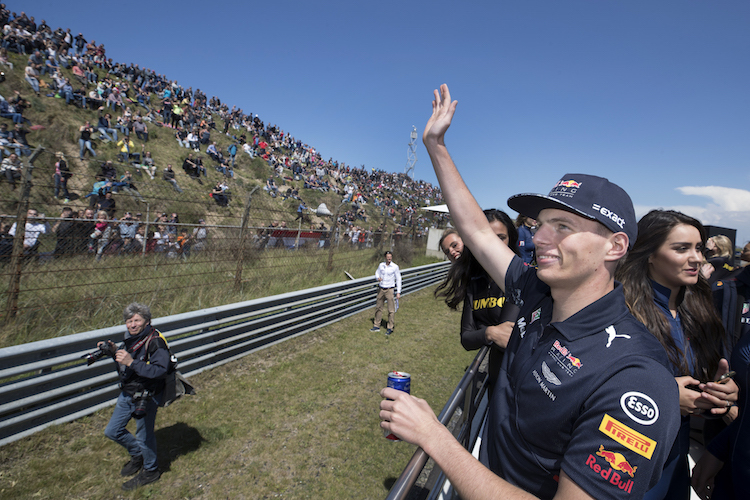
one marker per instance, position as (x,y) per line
(589,196)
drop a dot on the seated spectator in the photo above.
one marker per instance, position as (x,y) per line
(5,136)
(107,170)
(4,58)
(107,205)
(94,100)
(124,125)
(10,169)
(114,99)
(247,148)
(36,62)
(126,150)
(169,176)
(218,195)
(105,126)
(8,111)
(147,163)
(181,136)
(80,75)
(190,166)
(271,187)
(200,169)
(193,143)
(205,136)
(225,169)
(18,140)
(31,78)
(213,152)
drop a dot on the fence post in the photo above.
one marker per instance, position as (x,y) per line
(333,235)
(241,256)
(16,260)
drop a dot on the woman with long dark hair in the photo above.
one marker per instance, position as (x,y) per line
(665,290)
(484,320)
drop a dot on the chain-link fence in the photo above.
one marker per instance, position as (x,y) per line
(73,251)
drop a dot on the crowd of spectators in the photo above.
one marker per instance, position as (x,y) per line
(129,99)
(96,232)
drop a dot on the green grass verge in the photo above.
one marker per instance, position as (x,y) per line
(297,420)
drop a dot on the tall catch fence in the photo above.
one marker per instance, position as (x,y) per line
(171,245)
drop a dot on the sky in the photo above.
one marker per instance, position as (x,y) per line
(652,95)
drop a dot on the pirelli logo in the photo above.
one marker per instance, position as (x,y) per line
(629,438)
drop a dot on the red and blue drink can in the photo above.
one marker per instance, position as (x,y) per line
(401,382)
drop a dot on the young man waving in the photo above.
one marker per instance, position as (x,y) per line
(584,406)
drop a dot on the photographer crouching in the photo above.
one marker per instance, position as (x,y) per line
(142,363)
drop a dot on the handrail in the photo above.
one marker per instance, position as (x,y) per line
(470,391)
(46,382)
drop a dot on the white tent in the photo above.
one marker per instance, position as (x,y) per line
(443,209)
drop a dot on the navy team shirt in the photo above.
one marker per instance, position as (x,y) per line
(590,395)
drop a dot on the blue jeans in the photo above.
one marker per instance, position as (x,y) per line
(61,183)
(104,132)
(85,145)
(144,442)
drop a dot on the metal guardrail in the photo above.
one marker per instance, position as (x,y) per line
(463,414)
(46,382)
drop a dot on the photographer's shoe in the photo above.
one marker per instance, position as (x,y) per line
(132,467)
(145,477)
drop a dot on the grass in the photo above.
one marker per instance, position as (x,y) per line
(298,420)
(67,296)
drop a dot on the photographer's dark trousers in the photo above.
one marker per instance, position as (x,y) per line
(144,442)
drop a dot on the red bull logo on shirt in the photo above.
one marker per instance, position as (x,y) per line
(565,358)
(615,462)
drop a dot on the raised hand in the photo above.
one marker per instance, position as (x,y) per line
(442,114)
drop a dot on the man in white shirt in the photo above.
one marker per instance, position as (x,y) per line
(389,278)
(33,229)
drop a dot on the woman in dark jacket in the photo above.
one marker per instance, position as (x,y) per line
(485,319)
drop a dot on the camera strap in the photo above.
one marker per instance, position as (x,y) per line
(145,340)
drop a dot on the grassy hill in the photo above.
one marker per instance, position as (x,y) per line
(61,296)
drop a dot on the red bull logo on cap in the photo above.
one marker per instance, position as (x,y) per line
(616,462)
(568,184)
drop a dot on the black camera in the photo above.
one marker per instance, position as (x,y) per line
(141,399)
(107,348)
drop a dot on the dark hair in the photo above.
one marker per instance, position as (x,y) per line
(387,252)
(446,233)
(700,322)
(460,273)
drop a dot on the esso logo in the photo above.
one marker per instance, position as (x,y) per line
(639,407)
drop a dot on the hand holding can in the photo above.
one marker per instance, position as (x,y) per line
(400,381)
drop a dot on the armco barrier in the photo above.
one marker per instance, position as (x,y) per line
(46,382)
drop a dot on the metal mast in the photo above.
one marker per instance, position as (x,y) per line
(411,154)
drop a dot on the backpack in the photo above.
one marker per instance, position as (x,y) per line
(175,383)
